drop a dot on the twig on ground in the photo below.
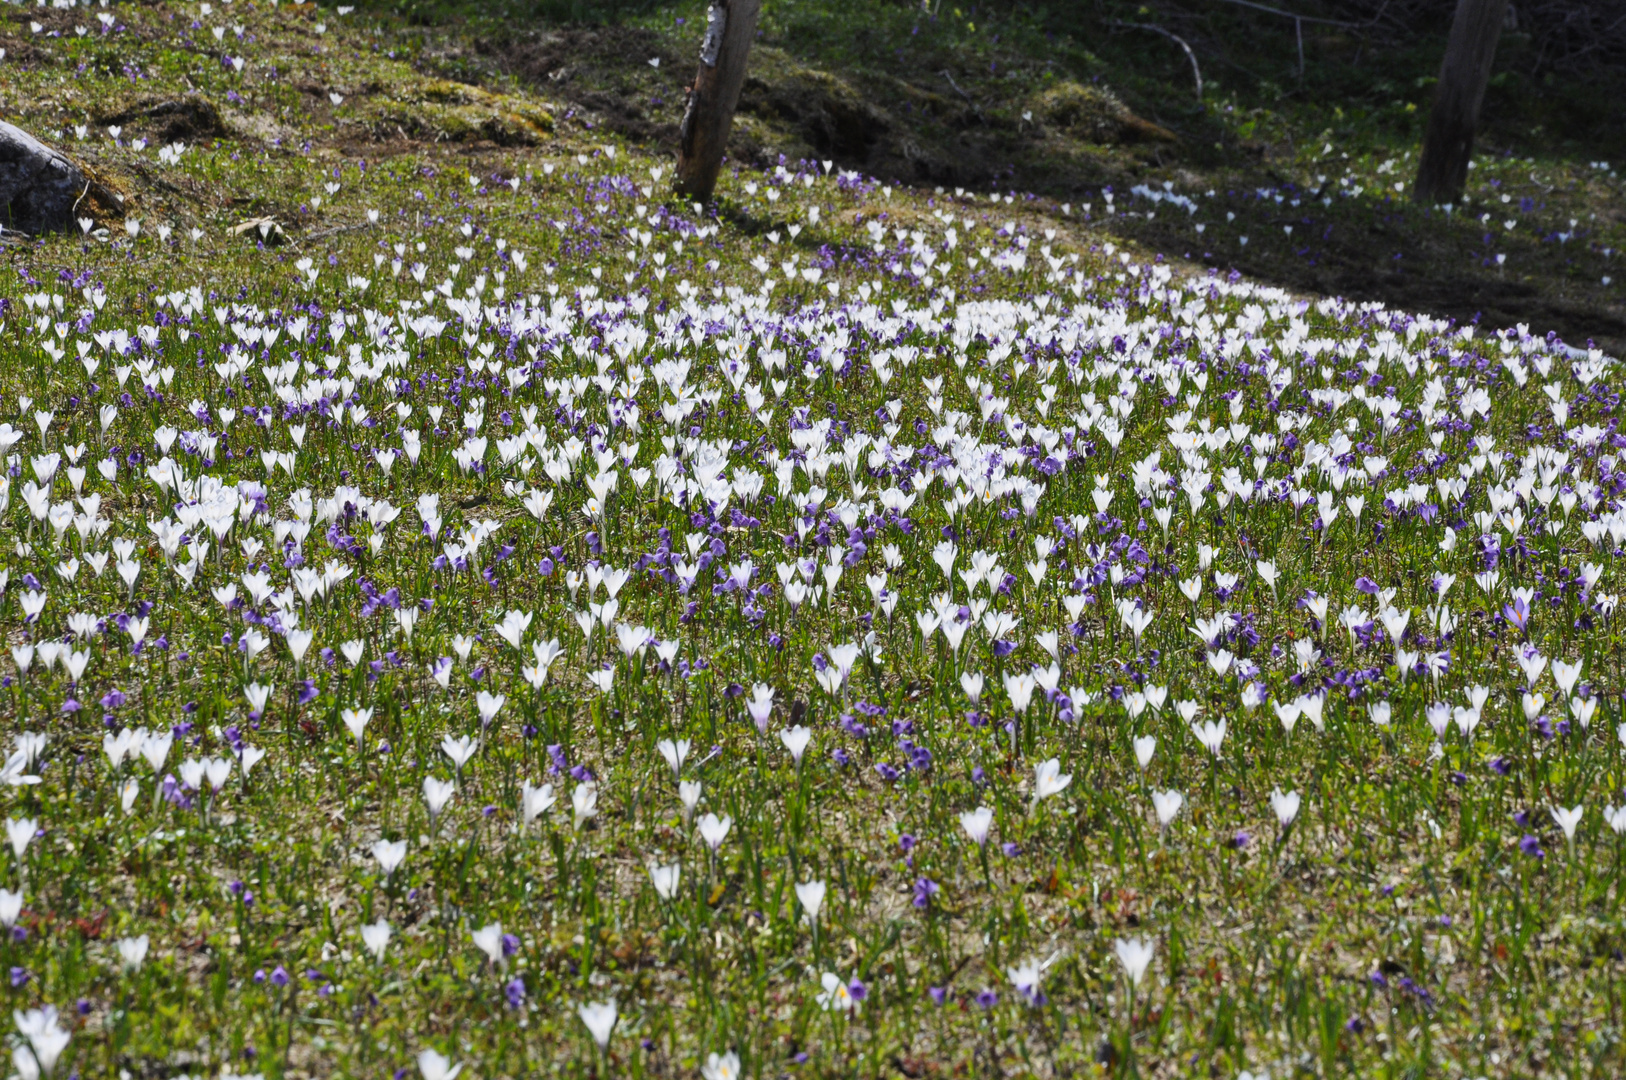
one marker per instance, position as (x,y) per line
(1196,71)
(339,229)
(962,93)
(1294,15)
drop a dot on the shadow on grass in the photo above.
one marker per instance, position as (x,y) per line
(964,97)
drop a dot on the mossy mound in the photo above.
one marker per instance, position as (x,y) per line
(446,111)
(1095,114)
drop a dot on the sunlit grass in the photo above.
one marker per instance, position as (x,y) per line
(522,621)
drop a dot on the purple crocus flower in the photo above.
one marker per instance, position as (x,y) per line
(1517,613)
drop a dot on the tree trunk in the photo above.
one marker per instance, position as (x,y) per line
(730,27)
(39,188)
(1448,144)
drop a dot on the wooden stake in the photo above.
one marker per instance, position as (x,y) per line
(730,27)
(1448,144)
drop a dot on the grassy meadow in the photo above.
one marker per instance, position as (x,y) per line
(469,609)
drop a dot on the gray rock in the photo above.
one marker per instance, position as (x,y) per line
(38,186)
